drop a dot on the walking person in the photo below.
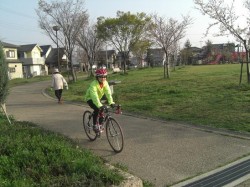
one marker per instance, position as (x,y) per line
(57,83)
(97,89)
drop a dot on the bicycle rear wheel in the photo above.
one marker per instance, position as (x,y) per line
(114,135)
(88,125)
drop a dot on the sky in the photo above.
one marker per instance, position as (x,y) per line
(19,22)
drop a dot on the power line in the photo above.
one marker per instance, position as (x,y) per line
(15,12)
(18,27)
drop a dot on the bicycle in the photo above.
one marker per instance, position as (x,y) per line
(113,129)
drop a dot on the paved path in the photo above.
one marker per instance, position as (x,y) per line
(163,153)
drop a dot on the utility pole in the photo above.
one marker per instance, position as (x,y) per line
(57,28)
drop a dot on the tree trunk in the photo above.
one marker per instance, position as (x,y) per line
(164,65)
(247,57)
(167,67)
(124,66)
(81,65)
(124,62)
(72,71)
(73,74)
(90,69)
(247,61)
(241,69)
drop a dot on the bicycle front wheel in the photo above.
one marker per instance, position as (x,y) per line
(114,135)
(88,125)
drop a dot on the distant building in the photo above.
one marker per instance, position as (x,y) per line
(155,57)
(106,58)
(51,57)
(14,64)
(33,62)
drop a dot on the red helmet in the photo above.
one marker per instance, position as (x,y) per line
(101,72)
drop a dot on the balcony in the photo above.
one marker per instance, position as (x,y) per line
(33,61)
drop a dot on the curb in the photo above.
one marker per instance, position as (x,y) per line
(129,181)
(232,184)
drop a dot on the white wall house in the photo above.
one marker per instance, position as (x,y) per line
(14,64)
(33,62)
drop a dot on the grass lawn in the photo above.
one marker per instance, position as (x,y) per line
(20,81)
(31,156)
(201,95)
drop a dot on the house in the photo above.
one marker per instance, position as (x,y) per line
(106,58)
(219,53)
(33,62)
(52,59)
(195,55)
(136,62)
(155,57)
(121,58)
(14,64)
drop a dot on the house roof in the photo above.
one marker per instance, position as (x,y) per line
(28,47)
(52,58)
(155,49)
(104,53)
(9,45)
(195,49)
(45,48)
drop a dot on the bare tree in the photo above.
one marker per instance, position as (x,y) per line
(69,16)
(225,17)
(90,43)
(166,33)
(82,59)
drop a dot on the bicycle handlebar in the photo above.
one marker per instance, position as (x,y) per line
(117,107)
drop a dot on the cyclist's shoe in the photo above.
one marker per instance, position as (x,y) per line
(96,129)
(101,119)
(103,108)
(101,129)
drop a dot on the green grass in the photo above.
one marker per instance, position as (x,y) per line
(20,81)
(31,156)
(201,95)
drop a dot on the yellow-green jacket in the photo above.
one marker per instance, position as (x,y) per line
(95,93)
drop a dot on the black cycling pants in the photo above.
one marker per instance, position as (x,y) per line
(96,110)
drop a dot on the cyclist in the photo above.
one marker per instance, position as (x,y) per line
(96,91)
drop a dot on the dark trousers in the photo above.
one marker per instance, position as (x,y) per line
(58,94)
(96,110)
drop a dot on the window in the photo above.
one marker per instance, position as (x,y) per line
(12,70)
(10,54)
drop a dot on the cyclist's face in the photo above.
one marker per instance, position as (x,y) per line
(102,78)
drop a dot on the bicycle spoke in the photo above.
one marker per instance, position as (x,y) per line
(116,141)
(115,135)
(88,125)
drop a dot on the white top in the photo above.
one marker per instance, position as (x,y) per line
(58,81)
